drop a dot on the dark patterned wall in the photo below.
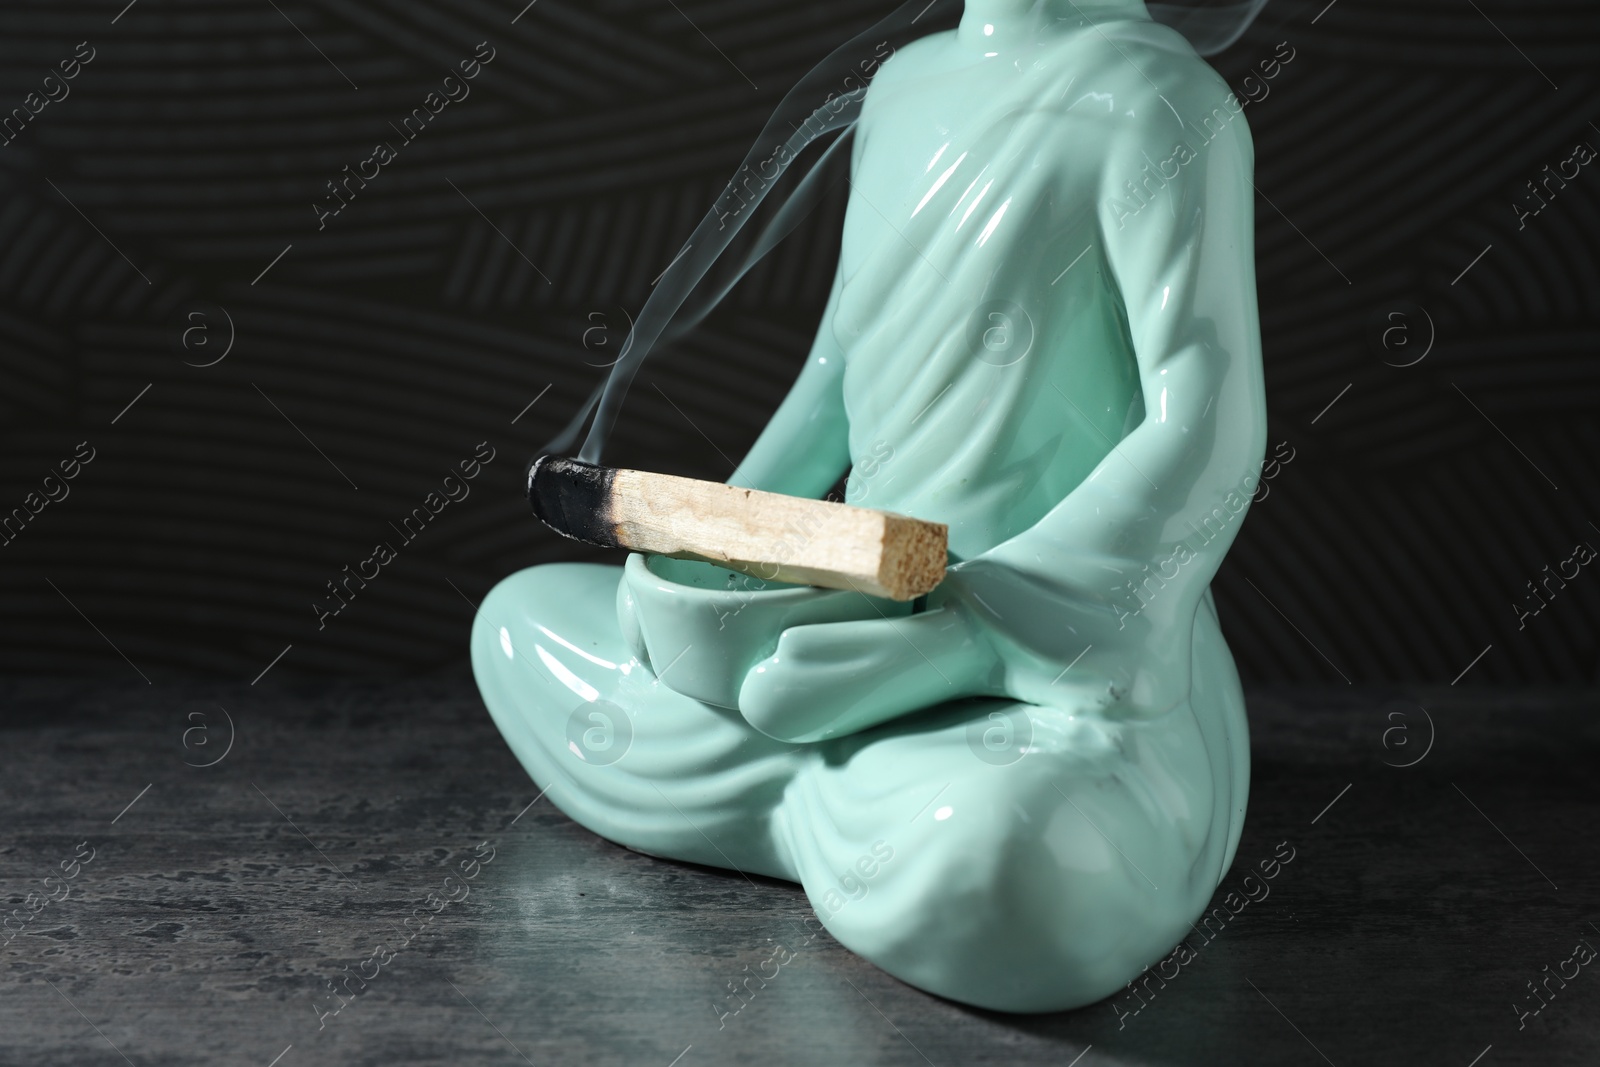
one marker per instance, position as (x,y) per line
(265,386)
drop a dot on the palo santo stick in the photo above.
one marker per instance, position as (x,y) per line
(782,538)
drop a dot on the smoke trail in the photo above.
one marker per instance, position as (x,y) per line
(839,82)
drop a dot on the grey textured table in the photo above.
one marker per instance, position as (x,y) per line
(203,912)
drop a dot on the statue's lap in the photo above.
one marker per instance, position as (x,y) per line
(1033,868)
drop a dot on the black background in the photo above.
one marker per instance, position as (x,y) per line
(497,259)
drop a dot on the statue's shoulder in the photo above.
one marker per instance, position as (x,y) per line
(1165,92)
(1149,51)
(922,56)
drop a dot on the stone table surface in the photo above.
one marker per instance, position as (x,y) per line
(191,914)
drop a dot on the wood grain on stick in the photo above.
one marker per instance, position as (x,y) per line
(770,535)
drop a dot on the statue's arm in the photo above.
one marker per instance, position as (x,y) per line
(1142,536)
(805,446)
(1185,266)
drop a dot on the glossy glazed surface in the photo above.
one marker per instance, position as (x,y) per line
(1043,333)
(709,626)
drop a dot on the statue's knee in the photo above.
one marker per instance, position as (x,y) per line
(1012,900)
(513,596)
(552,594)
(554,607)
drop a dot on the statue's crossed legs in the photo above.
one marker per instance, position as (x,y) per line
(1001,854)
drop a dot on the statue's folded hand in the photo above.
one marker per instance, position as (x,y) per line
(993,630)
(830,679)
(1064,639)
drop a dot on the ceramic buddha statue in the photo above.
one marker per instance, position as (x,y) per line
(1043,333)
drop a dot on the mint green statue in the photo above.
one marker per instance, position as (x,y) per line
(1042,333)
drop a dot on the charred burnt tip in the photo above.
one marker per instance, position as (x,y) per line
(573,498)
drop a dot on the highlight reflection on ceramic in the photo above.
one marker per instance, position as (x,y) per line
(1023,794)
